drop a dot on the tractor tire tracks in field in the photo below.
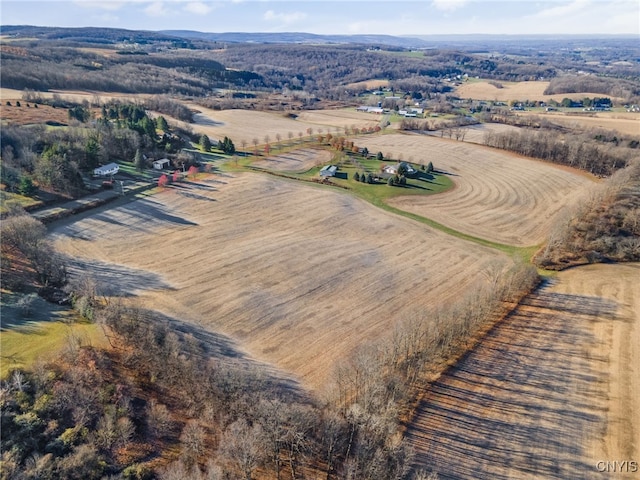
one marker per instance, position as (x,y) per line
(533,399)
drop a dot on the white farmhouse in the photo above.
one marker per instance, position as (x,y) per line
(106,170)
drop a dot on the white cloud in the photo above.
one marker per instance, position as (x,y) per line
(448,5)
(156,9)
(102,5)
(561,11)
(285,18)
(198,8)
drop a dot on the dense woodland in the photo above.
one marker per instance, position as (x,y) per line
(147,62)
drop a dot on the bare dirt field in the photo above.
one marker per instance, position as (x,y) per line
(515,91)
(298,275)
(295,161)
(498,196)
(550,393)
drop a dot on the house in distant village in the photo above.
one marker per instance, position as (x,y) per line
(106,170)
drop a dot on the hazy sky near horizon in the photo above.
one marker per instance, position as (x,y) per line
(417,17)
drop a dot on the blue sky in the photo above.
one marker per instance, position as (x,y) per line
(418,17)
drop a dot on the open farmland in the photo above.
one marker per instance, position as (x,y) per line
(298,275)
(515,91)
(549,393)
(627,122)
(498,196)
(299,160)
(247,125)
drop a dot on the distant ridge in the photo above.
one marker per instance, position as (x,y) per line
(299,37)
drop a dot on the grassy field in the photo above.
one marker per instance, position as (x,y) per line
(7,198)
(40,333)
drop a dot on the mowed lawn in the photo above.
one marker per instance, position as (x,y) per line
(42,334)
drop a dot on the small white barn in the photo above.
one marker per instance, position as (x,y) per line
(106,170)
(328,171)
(162,163)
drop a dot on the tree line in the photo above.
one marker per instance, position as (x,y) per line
(577,151)
(604,227)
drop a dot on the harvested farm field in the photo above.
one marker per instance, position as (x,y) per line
(627,123)
(298,275)
(299,160)
(550,393)
(498,196)
(247,125)
(533,90)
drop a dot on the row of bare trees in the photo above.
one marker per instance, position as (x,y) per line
(573,151)
(604,226)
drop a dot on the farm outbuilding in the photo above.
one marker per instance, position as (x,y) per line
(162,163)
(328,171)
(106,170)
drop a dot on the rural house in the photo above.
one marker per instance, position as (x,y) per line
(393,169)
(162,163)
(106,170)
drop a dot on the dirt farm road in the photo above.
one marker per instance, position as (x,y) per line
(552,392)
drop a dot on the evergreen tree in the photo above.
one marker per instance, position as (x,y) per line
(430,167)
(138,161)
(162,124)
(205,143)
(356,177)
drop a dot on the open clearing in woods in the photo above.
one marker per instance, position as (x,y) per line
(498,196)
(550,392)
(298,275)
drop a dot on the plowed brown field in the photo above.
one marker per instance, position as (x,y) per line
(498,196)
(298,275)
(550,393)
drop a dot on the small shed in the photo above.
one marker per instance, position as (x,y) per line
(161,164)
(106,170)
(328,171)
